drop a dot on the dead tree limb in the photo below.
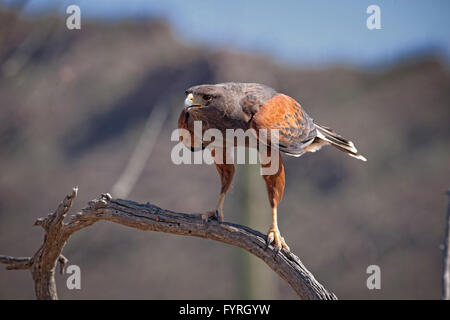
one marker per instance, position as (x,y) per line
(150,217)
(446,257)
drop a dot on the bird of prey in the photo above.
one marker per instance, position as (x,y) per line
(255,106)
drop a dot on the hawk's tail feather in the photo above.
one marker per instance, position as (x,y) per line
(337,141)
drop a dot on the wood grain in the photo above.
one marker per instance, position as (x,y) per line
(150,217)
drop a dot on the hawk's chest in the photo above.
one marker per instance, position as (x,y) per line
(222,120)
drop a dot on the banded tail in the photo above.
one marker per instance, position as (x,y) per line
(328,136)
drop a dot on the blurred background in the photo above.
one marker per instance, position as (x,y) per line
(75,105)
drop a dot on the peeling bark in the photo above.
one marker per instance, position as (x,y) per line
(150,217)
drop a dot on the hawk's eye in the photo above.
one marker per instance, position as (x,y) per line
(207,98)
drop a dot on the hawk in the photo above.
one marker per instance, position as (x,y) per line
(255,106)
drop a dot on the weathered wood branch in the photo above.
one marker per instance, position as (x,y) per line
(15,263)
(446,256)
(150,217)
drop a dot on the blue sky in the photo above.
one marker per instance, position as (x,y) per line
(302,32)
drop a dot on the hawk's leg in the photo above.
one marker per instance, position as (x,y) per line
(226,173)
(275,190)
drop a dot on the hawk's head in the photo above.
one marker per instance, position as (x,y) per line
(231,99)
(206,96)
(215,105)
(223,106)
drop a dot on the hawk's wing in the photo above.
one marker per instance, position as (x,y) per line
(296,128)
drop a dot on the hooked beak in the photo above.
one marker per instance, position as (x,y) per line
(189,102)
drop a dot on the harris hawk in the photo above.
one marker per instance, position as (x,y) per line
(255,106)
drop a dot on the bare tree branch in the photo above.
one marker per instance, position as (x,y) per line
(150,217)
(446,258)
(15,263)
